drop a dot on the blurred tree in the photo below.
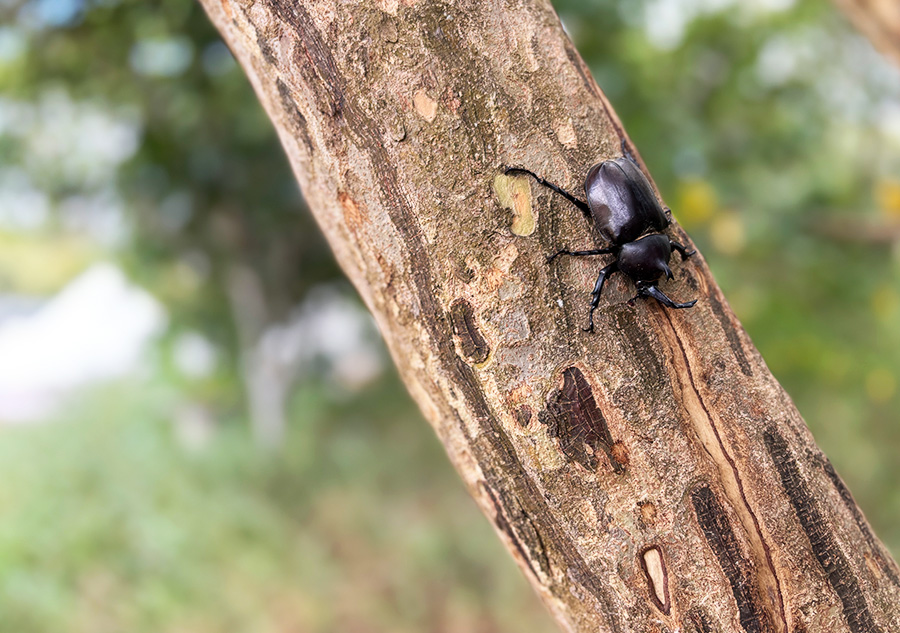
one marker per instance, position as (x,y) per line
(215,223)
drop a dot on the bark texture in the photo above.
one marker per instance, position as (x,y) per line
(650,477)
(879,20)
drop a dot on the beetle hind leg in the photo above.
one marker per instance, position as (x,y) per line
(582,206)
(652,291)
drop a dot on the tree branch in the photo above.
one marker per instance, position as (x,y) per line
(650,477)
(879,20)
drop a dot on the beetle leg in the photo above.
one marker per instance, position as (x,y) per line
(656,293)
(565,194)
(598,288)
(681,249)
(596,251)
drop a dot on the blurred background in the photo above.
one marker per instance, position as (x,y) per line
(200,430)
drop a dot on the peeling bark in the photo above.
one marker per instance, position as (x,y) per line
(650,477)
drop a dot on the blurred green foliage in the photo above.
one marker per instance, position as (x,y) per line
(131,521)
(772,131)
(206,187)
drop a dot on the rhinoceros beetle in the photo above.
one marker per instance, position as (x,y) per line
(624,210)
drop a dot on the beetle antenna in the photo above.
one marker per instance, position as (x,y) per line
(627,152)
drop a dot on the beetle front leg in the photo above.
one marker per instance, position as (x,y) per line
(598,288)
(682,250)
(651,290)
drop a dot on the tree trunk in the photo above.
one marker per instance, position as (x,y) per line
(879,20)
(651,476)
(268,355)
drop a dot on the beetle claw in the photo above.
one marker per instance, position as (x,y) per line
(682,250)
(659,295)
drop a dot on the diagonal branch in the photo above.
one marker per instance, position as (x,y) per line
(652,476)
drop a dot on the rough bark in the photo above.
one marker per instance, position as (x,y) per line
(879,20)
(652,476)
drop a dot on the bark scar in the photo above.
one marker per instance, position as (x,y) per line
(472,344)
(654,566)
(579,426)
(884,562)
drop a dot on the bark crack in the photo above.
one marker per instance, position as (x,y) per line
(702,421)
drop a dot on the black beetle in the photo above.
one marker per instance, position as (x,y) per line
(623,208)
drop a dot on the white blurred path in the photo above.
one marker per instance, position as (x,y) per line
(96,328)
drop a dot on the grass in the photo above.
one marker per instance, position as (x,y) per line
(112,523)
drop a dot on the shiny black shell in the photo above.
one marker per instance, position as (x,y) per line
(646,259)
(622,202)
